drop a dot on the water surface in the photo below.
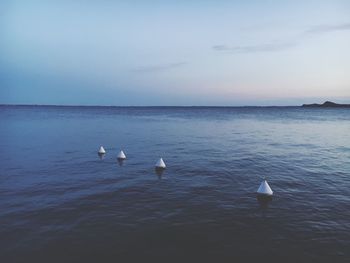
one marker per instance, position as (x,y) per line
(61,203)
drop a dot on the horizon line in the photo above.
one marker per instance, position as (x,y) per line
(149,106)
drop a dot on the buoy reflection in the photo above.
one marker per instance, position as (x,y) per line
(120,161)
(159,171)
(264,200)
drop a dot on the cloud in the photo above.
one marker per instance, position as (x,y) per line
(267,47)
(161,67)
(280,46)
(327,28)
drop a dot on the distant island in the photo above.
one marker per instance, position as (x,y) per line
(327,104)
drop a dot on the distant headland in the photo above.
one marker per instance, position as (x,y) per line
(327,104)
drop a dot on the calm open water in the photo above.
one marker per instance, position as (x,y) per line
(59,202)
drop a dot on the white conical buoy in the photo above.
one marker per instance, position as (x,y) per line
(101,150)
(265,189)
(121,155)
(160,164)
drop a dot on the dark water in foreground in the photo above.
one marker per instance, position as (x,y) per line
(60,203)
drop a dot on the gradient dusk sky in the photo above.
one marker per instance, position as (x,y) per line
(174,52)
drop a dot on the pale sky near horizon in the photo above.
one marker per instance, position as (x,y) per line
(174,52)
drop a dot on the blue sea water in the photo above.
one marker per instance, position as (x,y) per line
(61,202)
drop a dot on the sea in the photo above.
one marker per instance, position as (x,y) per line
(62,202)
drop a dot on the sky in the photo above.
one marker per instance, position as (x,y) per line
(180,53)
